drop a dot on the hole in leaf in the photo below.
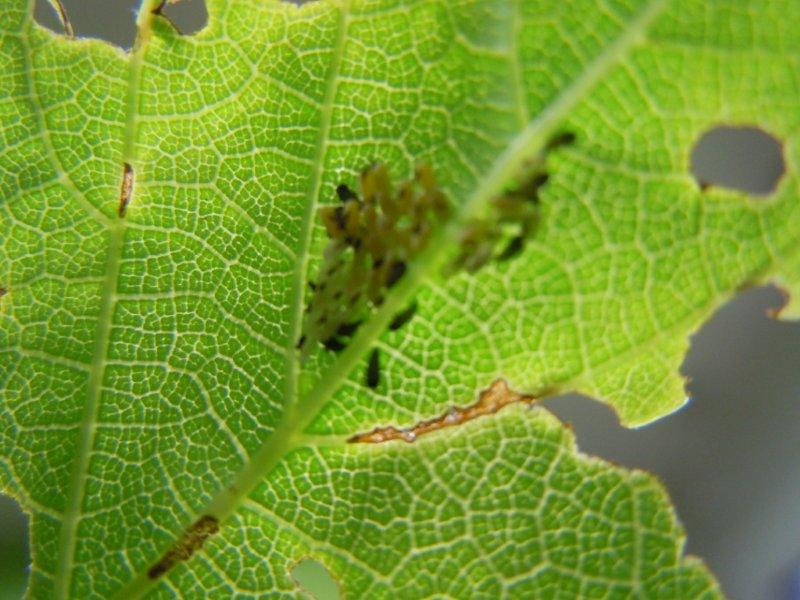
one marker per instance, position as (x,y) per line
(14,552)
(314,578)
(188,16)
(730,452)
(114,22)
(52,14)
(747,159)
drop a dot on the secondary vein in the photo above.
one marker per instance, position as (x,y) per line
(116,232)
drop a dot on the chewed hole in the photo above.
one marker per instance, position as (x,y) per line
(747,159)
(47,16)
(315,579)
(114,22)
(188,16)
(14,553)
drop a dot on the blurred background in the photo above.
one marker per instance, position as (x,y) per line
(729,458)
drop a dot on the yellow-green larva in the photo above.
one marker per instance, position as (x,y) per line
(372,238)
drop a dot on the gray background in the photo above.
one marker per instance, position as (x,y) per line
(728,458)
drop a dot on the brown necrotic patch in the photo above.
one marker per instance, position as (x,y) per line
(192,541)
(125,190)
(490,400)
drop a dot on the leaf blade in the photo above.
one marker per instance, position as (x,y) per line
(200,358)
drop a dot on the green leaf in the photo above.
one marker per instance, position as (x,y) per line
(147,351)
(501,507)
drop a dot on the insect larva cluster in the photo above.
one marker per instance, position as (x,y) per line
(372,238)
(502,233)
(511,220)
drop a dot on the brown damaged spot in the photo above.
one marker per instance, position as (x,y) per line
(125,189)
(490,400)
(3,291)
(191,541)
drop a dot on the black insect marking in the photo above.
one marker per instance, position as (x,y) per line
(182,550)
(345,193)
(512,249)
(476,242)
(373,374)
(301,341)
(403,317)
(348,329)
(396,271)
(126,189)
(565,138)
(333,344)
(530,191)
(539,180)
